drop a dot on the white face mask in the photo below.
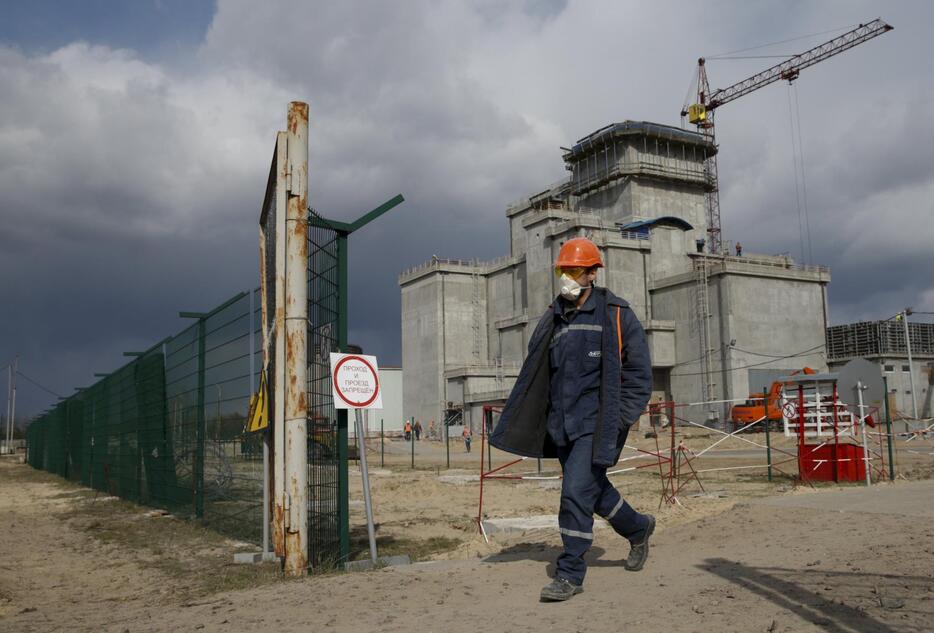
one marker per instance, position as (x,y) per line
(570,289)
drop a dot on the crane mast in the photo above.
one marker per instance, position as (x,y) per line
(702,112)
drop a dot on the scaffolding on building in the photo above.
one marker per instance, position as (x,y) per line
(604,156)
(878,338)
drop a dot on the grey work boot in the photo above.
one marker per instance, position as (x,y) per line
(560,589)
(640,551)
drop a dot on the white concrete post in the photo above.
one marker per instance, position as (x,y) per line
(279,518)
(296,325)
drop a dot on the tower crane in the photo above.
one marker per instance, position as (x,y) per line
(702,112)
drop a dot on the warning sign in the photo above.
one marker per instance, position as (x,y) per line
(258,417)
(790,411)
(355,382)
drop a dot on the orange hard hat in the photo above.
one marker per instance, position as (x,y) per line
(579,253)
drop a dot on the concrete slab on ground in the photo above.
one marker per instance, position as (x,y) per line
(458,480)
(382,561)
(512,525)
(252,558)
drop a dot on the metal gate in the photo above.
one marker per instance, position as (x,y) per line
(327,427)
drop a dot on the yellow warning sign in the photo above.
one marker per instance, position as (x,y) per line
(259,407)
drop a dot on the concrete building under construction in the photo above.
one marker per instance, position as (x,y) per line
(905,355)
(718,325)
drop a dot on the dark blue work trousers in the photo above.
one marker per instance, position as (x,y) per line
(585,490)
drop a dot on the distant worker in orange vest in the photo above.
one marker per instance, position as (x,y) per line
(407,430)
(466,436)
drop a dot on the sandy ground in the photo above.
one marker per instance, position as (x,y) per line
(746,555)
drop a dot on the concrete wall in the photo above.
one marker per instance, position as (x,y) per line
(625,275)
(769,317)
(657,198)
(675,303)
(423,327)
(393,413)
(669,247)
(465,312)
(613,202)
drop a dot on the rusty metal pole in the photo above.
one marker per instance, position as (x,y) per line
(278,362)
(296,326)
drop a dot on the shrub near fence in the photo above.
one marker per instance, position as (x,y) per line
(167,429)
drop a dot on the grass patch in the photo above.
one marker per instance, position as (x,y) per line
(387,545)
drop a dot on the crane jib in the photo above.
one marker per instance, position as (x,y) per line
(790,68)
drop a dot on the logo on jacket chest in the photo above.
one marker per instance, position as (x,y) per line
(594,354)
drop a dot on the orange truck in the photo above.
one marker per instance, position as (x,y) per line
(754,408)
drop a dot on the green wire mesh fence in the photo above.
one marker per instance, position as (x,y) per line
(325,493)
(168,428)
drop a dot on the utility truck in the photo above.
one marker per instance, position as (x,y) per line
(754,408)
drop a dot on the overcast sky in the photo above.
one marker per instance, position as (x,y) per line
(135,140)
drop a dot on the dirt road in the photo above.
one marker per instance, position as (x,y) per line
(831,560)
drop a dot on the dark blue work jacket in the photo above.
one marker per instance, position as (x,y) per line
(574,364)
(625,384)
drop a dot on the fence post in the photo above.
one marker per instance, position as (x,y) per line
(488,427)
(768,441)
(200,429)
(888,428)
(447,444)
(412,440)
(343,490)
(382,445)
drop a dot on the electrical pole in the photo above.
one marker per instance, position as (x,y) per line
(9,398)
(911,373)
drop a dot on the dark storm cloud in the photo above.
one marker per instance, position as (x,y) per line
(130,188)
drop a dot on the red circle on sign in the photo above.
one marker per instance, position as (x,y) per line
(338,389)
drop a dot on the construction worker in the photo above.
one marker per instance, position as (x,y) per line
(407,430)
(466,435)
(585,381)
